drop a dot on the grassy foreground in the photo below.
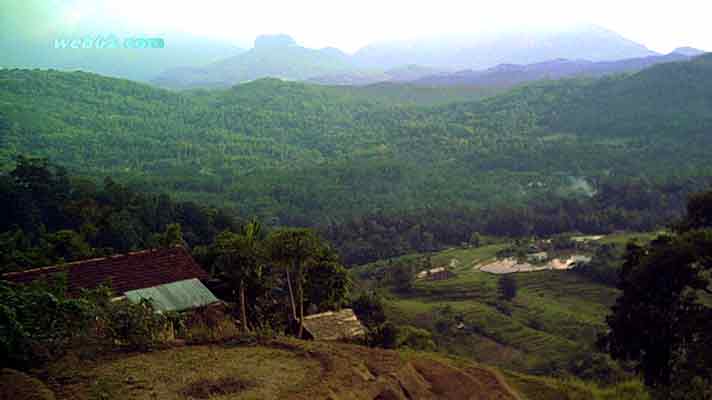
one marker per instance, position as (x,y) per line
(294,369)
(283,369)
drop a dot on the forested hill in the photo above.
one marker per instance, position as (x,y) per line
(666,99)
(307,154)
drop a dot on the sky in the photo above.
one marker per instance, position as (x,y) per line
(349,25)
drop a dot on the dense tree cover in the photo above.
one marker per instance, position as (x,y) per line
(632,205)
(49,216)
(295,154)
(662,320)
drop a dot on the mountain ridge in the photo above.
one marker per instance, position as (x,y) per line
(484,51)
(507,75)
(280,56)
(275,56)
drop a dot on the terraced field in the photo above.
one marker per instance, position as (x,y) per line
(554,318)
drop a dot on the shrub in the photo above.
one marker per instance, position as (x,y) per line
(38,323)
(134,325)
(208,324)
(385,335)
(415,338)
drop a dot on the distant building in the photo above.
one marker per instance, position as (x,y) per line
(435,274)
(333,325)
(170,278)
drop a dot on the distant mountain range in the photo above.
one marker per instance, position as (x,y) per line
(507,75)
(487,50)
(487,60)
(407,73)
(275,56)
(281,57)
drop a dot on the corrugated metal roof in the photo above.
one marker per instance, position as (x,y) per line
(176,296)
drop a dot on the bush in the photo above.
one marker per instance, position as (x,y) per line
(38,323)
(136,326)
(208,324)
(368,307)
(385,335)
(415,338)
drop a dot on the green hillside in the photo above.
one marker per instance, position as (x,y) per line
(297,152)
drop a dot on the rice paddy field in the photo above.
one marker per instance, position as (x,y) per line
(553,320)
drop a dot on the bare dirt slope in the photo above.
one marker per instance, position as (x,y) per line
(284,369)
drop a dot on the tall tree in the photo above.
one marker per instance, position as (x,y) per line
(294,249)
(240,257)
(328,284)
(662,321)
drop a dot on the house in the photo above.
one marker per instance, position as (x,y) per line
(435,274)
(169,277)
(333,325)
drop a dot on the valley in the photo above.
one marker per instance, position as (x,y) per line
(511,207)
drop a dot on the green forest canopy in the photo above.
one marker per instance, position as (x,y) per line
(300,153)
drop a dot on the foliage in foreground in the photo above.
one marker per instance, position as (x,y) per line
(39,323)
(662,321)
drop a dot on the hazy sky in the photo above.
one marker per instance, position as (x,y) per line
(348,25)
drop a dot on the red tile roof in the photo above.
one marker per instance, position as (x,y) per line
(124,272)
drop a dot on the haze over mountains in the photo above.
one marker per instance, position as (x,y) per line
(276,56)
(499,59)
(487,50)
(581,51)
(507,75)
